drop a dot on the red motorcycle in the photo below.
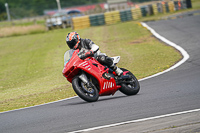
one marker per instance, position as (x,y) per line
(90,79)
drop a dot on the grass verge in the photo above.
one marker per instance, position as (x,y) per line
(31,66)
(21,30)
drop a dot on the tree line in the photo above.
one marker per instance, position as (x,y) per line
(29,8)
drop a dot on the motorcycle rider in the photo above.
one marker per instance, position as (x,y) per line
(88,48)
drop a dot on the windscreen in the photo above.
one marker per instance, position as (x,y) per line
(68,55)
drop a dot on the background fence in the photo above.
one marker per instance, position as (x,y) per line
(127,15)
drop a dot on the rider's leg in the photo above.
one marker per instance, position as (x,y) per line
(105,60)
(117,70)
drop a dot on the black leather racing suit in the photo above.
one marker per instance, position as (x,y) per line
(89,48)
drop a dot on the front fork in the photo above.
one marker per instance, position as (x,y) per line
(84,78)
(86,84)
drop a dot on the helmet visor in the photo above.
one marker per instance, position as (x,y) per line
(71,44)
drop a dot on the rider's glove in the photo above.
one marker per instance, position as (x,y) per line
(87,54)
(82,56)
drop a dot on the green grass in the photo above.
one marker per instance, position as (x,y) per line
(31,65)
(22,22)
(195,4)
(27,26)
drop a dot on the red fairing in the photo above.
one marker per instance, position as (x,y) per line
(92,67)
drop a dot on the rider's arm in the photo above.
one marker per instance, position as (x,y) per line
(93,48)
(92,51)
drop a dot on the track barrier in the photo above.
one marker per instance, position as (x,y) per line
(136,13)
(129,14)
(81,22)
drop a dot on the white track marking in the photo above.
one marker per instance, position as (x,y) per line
(135,121)
(39,105)
(185,57)
(182,51)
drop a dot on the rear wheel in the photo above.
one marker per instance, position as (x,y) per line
(131,88)
(89,94)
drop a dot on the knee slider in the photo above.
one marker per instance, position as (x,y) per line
(105,60)
(102,59)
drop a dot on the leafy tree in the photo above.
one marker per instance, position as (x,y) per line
(2,11)
(2,7)
(27,8)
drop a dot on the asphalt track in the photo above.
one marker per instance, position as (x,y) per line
(175,91)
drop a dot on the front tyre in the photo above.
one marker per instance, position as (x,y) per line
(130,88)
(89,94)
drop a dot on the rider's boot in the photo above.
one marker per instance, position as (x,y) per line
(117,70)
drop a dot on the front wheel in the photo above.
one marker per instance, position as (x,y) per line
(131,88)
(89,94)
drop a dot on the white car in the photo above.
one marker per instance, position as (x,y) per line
(62,18)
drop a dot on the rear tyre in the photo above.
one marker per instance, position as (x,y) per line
(89,94)
(130,88)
